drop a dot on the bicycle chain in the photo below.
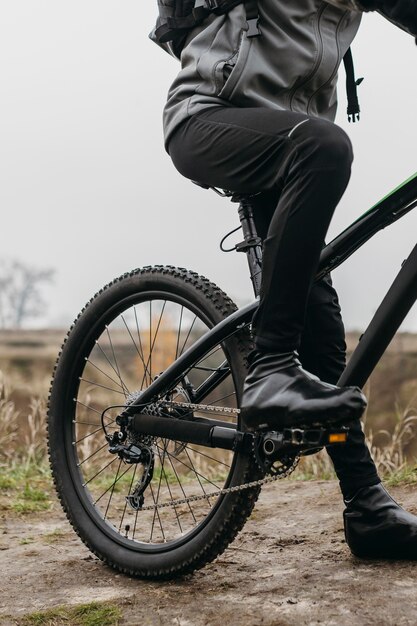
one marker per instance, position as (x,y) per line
(201,407)
(220,492)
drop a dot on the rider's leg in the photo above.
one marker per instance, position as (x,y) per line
(375,525)
(310,189)
(323,353)
(308,159)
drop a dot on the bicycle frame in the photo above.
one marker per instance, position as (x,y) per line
(393,309)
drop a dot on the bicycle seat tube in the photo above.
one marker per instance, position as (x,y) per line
(251,244)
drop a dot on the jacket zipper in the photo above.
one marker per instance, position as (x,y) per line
(318,59)
(235,54)
(333,74)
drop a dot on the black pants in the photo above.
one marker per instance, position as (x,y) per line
(301,166)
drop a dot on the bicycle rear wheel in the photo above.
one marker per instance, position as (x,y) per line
(127,334)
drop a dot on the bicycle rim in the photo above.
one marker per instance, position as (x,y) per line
(122,353)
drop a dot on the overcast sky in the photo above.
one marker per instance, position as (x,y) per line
(86,186)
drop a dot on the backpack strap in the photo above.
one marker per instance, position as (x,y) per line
(252,18)
(353,109)
(174,27)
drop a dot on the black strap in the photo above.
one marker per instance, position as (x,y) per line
(353,109)
(175,26)
(252,18)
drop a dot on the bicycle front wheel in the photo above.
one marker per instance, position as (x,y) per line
(130,332)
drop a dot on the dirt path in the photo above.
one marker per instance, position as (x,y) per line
(290,565)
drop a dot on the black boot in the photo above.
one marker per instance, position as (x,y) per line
(377,527)
(278,392)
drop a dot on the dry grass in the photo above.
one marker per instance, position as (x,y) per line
(393,463)
(35,438)
(390,456)
(28,444)
(8,422)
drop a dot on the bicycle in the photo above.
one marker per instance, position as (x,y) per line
(151,484)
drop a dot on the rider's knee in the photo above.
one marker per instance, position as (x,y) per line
(326,144)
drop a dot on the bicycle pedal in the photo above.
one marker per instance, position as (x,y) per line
(302,439)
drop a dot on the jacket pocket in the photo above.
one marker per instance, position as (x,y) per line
(228,72)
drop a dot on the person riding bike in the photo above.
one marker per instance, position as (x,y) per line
(252,110)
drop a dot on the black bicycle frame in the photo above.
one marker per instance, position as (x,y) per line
(385,323)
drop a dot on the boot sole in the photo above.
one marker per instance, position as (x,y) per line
(289,420)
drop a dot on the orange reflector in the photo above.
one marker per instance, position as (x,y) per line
(337,437)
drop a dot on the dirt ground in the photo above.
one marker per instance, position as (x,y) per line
(290,565)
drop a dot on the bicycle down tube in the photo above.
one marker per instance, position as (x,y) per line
(389,316)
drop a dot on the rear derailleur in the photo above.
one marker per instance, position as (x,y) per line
(141,452)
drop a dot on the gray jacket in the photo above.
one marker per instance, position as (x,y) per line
(292,65)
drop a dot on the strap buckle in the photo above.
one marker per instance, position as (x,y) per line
(253,27)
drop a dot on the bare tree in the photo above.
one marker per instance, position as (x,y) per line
(21,297)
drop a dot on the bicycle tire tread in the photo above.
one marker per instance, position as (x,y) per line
(244,501)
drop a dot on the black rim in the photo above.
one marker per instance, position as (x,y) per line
(122,349)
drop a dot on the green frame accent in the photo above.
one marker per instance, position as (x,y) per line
(389,195)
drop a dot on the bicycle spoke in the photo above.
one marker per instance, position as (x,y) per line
(179,333)
(157,494)
(152,343)
(188,335)
(115,361)
(169,490)
(190,468)
(207,456)
(157,515)
(89,435)
(180,485)
(113,484)
(129,492)
(140,343)
(100,471)
(104,373)
(111,365)
(134,343)
(91,455)
(135,524)
(87,406)
(112,491)
(90,382)
(112,421)
(196,473)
